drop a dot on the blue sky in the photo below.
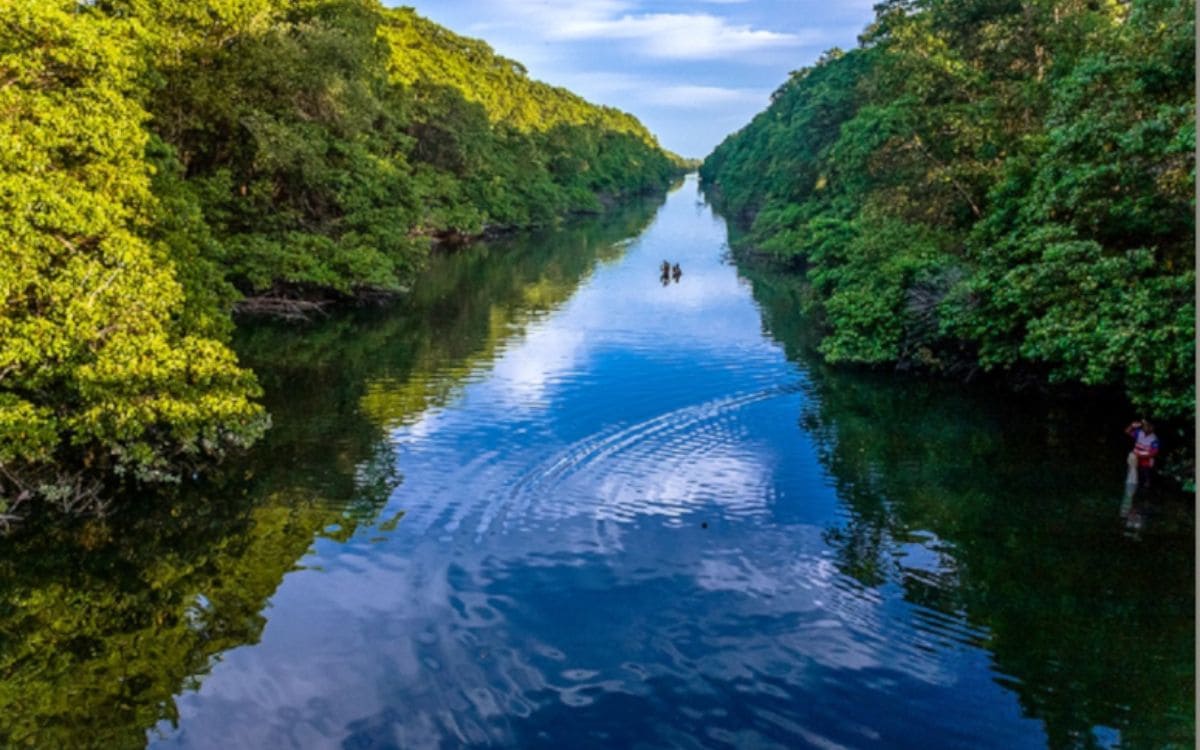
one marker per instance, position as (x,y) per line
(692,71)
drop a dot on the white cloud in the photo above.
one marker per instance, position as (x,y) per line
(689,96)
(527,369)
(740,47)
(652,91)
(677,36)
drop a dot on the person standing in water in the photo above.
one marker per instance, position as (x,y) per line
(1145,449)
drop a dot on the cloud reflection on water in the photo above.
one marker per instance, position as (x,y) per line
(594,527)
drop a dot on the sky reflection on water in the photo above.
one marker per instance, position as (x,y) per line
(547,501)
(615,533)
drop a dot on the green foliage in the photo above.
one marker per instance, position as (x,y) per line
(98,368)
(283,121)
(325,141)
(159,159)
(990,183)
(872,284)
(519,151)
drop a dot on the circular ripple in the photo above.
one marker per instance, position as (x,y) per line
(662,466)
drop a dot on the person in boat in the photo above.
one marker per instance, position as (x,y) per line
(665,275)
(1145,450)
(676,272)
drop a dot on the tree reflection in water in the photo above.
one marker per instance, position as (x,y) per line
(102,623)
(1001,513)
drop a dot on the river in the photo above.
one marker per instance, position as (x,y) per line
(550,499)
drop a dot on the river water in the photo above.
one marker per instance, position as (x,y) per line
(548,500)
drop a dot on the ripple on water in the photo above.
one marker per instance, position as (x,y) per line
(665,465)
(662,466)
(696,456)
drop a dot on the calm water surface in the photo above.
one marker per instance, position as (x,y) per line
(549,501)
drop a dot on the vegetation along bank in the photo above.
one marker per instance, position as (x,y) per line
(163,161)
(991,186)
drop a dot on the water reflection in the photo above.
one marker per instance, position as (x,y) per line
(103,623)
(995,517)
(637,522)
(550,502)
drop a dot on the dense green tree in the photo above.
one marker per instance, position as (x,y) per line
(99,371)
(520,151)
(162,159)
(325,141)
(1087,257)
(995,184)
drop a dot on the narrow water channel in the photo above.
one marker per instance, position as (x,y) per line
(553,500)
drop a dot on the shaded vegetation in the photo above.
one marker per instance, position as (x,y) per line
(1063,604)
(161,160)
(995,185)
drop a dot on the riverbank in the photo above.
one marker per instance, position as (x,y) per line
(301,303)
(457,482)
(983,214)
(788,279)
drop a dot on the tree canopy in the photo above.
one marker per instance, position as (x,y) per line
(992,184)
(161,160)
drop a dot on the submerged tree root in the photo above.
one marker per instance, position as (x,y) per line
(72,493)
(281,307)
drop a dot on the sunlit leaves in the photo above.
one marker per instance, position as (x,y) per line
(92,363)
(159,158)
